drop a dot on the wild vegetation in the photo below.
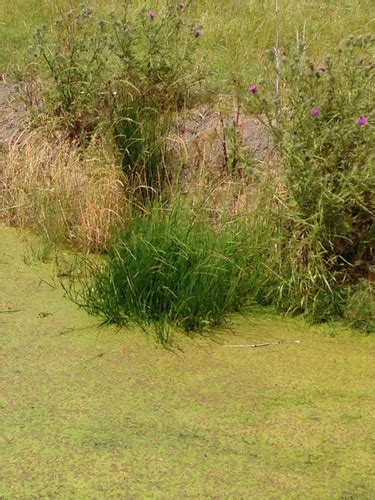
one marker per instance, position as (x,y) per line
(168,268)
(174,163)
(296,229)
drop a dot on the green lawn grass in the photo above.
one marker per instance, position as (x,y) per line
(235,34)
(20,18)
(105,413)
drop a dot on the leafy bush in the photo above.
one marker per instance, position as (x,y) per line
(127,73)
(73,59)
(168,268)
(360,308)
(323,126)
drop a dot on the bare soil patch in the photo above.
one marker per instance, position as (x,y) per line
(13,112)
(207,138)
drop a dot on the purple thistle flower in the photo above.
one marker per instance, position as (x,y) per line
(322,69)
(362,120)
(253,89)
(197,32)
(315,112)
(152,15)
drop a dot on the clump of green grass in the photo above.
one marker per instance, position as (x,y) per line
(168,268)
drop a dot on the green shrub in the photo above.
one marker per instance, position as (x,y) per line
(127,74)
(168,268)
(360,308)
(73,60)
(323,125)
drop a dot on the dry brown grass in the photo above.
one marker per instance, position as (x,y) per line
(63,194)
(77,197)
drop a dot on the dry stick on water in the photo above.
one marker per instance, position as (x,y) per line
(265,343)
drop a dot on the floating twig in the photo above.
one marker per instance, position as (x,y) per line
(265,343)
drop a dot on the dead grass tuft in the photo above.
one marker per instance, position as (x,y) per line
(62,193)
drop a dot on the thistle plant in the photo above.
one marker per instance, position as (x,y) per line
(325,136)
(156,77)
(73,61)
(125,74)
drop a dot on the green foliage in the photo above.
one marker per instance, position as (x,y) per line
(156,74)
(360,308)
(156,52)
(330,160)
(232,45)
(127,73)
(140,135)
(168,268)
(323,125)
(73,58)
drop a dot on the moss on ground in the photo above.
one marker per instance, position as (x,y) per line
(90,412)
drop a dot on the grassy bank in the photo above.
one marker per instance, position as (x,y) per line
(90,412)
(118,94)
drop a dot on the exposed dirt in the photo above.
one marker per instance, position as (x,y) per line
(216,141)
(204,123)
(12,111)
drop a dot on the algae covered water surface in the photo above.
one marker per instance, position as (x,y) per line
(88,412)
